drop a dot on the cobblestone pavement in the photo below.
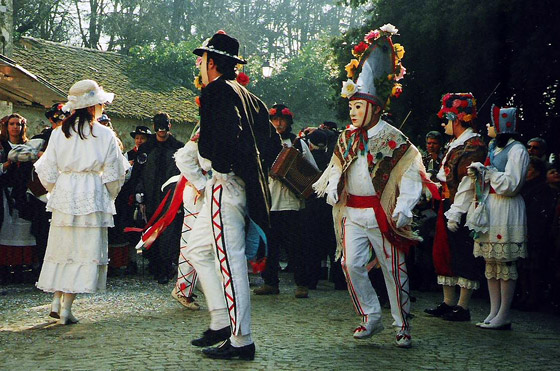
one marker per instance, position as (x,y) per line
(136,324)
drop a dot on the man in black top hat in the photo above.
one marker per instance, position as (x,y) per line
(238,143)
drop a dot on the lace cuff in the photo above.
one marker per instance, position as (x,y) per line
(47,171)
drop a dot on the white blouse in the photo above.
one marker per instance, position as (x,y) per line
(83,176)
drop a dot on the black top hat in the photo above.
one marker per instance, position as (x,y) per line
(221,44)
(140,130)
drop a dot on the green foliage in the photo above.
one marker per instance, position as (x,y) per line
(303,84)
(457,46)
(174,60)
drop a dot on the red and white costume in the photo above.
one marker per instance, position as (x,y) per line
(377,186)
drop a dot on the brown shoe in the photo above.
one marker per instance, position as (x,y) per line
(266,290)
(302,292)
(188,303)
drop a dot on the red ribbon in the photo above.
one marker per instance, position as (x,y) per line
(154,228)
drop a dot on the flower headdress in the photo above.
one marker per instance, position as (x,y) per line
(376,68)
(460,106)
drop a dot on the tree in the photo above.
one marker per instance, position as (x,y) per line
(452,46)
(44,19)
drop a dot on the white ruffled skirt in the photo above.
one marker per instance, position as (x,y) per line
(76,260)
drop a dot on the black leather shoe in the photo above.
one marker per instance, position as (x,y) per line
(439,311)
(228,351)
(458,315)
(211,337)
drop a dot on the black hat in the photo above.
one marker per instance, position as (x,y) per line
(56,113)
(281,110)
(104,118)
(221,44)
(140,130)
(330,125)
(318,137)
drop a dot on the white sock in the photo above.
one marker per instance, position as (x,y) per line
(241,340)
(219,319)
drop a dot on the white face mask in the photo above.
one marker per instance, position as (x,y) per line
(448,127)
(491,131)
(204,69)
(361,112)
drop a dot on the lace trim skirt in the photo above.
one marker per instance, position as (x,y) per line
(75,261)
(458,281)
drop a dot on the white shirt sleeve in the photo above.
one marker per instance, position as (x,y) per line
(46,167)
(410,189)
(462,201)
(509,182)
(187,160)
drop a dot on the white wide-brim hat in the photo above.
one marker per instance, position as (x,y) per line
(86,93)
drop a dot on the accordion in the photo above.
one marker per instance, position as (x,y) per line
(295,172)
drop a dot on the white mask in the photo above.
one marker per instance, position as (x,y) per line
(448,127)
(361,112)
(204,69)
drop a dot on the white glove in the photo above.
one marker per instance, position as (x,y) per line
(452,225)
(222,177)
(229,182)
(477,166)
(402,220)
(332,197)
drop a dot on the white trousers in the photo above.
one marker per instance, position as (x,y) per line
(356,254)
(201,256)
(186,274)
(218,239)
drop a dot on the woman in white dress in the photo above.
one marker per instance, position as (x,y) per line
(501,236)
(83,170)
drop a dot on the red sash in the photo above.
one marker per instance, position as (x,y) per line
(366,202)
(154,228)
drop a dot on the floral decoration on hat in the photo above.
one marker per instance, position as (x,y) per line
(376,67)
(461,106)
(243,79)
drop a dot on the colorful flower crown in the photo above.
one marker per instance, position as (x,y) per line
(388,87)
(461,106)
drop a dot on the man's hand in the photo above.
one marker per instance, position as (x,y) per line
(332,197)
(452,225)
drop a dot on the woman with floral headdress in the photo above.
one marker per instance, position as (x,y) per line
(83,170)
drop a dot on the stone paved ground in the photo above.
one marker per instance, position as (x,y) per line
(137,325)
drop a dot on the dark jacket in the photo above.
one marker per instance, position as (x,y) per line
(16,178)
(148,177)
(236,135)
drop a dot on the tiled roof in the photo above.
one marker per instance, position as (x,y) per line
(138,94)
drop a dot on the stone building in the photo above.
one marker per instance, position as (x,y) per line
(138,94)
